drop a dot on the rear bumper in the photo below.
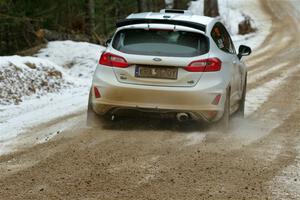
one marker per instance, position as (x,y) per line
(194,100)
(207,116)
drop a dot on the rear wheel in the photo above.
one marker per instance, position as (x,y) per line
(241,110)
(224,123)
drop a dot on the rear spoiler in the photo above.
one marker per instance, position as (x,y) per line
(132,21)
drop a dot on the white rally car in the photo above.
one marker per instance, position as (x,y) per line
(170,63)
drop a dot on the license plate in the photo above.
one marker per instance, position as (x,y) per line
(156,72)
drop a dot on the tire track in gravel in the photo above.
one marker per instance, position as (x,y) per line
(283,44)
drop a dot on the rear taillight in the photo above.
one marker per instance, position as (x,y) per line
(205,65)
(113,60)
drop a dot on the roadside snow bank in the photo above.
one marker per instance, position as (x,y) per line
(59,66)
(53,84)
(26,76)
(77,58)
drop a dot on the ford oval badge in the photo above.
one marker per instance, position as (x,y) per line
(157,59)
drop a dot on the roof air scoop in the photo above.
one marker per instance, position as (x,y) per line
(176,11)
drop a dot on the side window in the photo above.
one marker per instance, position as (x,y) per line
(229,43)
(222,38)
(217,36)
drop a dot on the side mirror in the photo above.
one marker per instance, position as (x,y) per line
(244,51)
(108,42)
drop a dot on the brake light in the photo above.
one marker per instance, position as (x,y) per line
(205,65)
(159,29)
(113,60)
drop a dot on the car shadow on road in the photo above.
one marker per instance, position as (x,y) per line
(154,124)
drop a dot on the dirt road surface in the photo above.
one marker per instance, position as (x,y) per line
(159,159)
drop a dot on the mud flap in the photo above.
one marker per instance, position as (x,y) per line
(92,119)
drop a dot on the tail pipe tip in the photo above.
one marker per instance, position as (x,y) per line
(182,117)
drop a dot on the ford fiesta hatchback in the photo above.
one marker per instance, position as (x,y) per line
(170,63)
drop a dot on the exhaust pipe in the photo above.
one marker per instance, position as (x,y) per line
(113,118)
(182,117)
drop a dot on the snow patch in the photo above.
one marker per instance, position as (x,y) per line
(255,77)
(79,59)
(169,3)
(15,120)
(26,76)
(256,97)
(65,93)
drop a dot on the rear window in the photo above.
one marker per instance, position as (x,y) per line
(160,42)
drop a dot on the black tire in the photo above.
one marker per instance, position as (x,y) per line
(241,111)
(224,122)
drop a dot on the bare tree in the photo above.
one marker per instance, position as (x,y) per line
(211,8)
(90,17)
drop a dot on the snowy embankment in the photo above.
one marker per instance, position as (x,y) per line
(53,83)
(23,77)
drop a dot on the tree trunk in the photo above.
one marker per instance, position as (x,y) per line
(211,8)
(142,7)
(90,17)
(176,4)
(157,5)
(180,4)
